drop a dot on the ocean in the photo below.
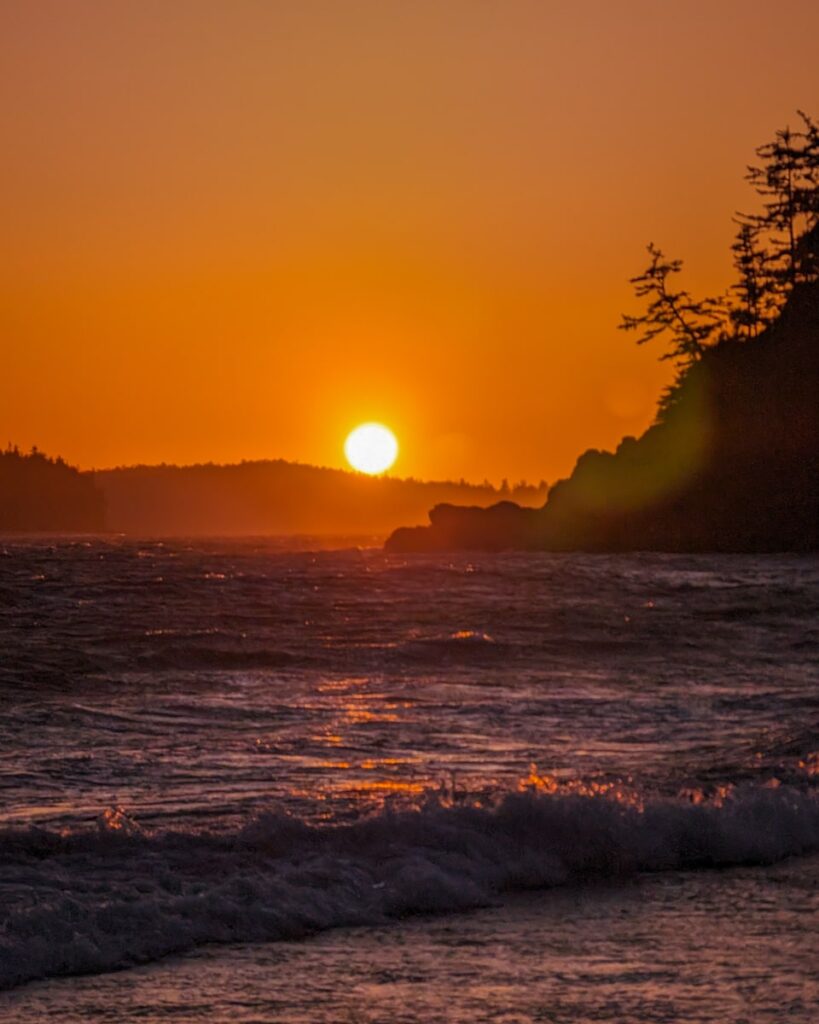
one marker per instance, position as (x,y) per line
(267,780)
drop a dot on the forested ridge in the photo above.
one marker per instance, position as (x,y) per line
(38,493)
(264,497)
(731,462)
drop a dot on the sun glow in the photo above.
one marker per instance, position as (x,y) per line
(371,448)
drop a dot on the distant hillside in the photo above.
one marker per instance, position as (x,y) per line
(42,494)
(276,497)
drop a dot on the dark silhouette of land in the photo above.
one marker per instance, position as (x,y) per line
(38,494)
(277,497)
(732,461)
(734,466)
(271,497)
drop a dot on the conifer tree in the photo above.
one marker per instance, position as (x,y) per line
(753,306)
(773,251)
(690,325)
(788,181)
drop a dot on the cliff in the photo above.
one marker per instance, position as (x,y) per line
(732,466)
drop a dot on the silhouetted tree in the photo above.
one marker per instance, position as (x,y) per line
(788,181)
(689,324)
(754,306)
(773,251)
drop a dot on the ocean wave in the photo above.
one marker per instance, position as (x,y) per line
(92,900)
(467,646)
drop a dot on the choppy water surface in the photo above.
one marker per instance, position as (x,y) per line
(236,742)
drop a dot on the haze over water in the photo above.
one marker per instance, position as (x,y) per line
(235,742)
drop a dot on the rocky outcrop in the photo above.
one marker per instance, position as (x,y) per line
(499,526)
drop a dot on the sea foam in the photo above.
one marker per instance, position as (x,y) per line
(98,899)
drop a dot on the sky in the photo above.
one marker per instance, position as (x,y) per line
(235,230)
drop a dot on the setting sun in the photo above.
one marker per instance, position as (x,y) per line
(371,448)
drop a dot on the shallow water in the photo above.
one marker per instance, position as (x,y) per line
(707,948)
(234,741)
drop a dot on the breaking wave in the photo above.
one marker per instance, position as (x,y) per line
(92,900)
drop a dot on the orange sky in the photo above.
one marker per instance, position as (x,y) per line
(236,229)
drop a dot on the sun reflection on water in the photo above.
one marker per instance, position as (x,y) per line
(619,790)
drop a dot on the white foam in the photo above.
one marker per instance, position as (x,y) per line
(95,900)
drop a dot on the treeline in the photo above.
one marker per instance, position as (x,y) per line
(279,497)
(42,494)
(38,493)
(774,251)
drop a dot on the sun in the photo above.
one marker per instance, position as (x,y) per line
(371,448)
